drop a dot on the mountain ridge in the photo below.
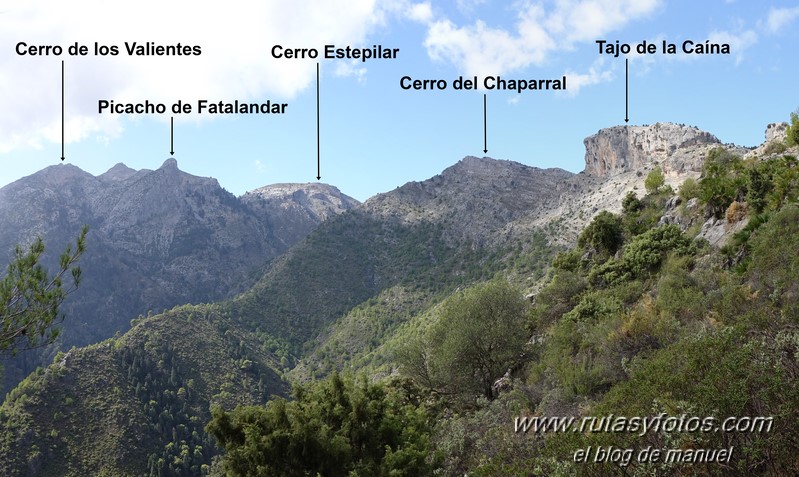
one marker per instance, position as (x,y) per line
(380,265)
(157,239)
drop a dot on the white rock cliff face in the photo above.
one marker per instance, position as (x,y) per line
(775,133)
(622,149)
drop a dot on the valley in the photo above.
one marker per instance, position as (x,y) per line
(292,286)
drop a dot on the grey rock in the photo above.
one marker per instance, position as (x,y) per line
(673,203)
(776,132)
(156,239)
(482,200)
(621,149)
(294,210)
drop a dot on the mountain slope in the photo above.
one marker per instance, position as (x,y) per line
(427,236)
(332,301)
(345,261)
(136,403)
(157,239)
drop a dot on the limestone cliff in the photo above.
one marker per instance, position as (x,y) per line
(620,149)
(775,134)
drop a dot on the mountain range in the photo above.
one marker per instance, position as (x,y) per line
(284,284)
(157,239)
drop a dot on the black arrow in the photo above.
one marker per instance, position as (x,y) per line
(171,135)
(626,90)
(485,126)
(62,110)
(318,150)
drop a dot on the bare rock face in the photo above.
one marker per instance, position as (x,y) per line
(620,149)
(482,200)
(294,210)
(776,132)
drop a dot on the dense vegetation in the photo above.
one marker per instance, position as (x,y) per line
(640,319)
(339,426)
(413,354)
(136,404)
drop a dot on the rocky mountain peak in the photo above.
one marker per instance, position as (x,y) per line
(322,200)
(620,149)
(472,164)
(776,132)
(60,174)
(157,238)
(296,209)
(170,163)
(482,200)
(486,168)
(119,172)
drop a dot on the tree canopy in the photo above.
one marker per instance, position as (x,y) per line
(604,234)
(30,296)
(339,426)
(479,335)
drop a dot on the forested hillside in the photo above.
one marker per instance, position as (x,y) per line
(643,319)
(156,239)
(396,339)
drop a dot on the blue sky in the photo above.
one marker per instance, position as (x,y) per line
(374,135)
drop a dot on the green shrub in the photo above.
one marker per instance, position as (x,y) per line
(792,135)
(654,180)
(722,181)
(603,234)
(557,298)
(479,335)
(688,189)
(631,203)
(570,260)
(775,147)
(775,263)
(340,426)
(642,255)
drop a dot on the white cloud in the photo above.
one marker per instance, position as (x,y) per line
(595,75)
(479,49)
(467,6)
(778,18)
(588,20)
(259,166)
(645,61)
(420,12)
(236,38)
(738,42)
(353,68)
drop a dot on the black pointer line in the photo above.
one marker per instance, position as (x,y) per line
(318,150)
(485,126)
(626,91)
(62,110)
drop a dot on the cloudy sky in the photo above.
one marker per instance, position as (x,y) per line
(374,135)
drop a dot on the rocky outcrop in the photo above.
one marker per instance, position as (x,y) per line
(292,211)
(776,132)
(620,149)
(775,137)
